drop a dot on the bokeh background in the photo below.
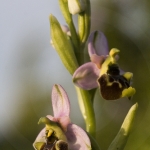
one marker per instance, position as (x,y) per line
(29,67)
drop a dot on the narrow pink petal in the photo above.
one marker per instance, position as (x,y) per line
(77,138)
(97,44)
(86,76)
(60,102)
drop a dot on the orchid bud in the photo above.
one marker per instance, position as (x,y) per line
(66,30)
(63,45)
(76,6)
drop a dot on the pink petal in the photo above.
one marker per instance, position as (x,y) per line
(77,138)
(97,44)
(52,118)
(64,122)
(86,76)
(98,60)
(60,102)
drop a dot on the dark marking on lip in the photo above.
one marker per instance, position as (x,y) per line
(111,86)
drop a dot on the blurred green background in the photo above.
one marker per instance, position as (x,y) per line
(29,67)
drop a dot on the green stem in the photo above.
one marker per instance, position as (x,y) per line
(92,94)
(87,110)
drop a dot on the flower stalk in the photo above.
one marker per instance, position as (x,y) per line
(87,110)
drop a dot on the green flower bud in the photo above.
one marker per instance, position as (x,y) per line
(62,45)
(76,6)
(84,24)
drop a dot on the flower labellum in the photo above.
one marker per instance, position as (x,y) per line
(113,85)
(59,133)
(103,71)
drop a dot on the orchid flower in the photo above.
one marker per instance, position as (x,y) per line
(103,70)
(59,132)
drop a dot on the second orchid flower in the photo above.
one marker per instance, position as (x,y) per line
(103,70)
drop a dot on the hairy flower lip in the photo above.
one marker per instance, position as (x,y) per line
(114,85)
